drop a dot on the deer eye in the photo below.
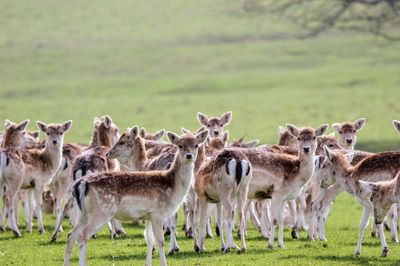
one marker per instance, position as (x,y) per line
(298,138)
(314,138)
(48,133)
(354,131)
(196,146)
(208,126)
(330,145)
(340,132)
(180,147)
(221,125)
(121,143)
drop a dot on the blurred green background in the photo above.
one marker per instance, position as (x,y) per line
(156,63)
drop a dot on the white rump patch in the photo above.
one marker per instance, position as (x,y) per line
(245,167)
(78,174)
(232,167)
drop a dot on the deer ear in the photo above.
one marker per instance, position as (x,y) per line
(66,126)
(336,127)
(96,121)
(328,153)
(22,126)
(226,118)
(35,134)
(292,130)
(107,121)
(332,135)
(142,133)
(7,123)
(396,124)
(281,130)
(252,143)
(321,130)
(203,119)
(200,129)
(134,132)
(159,134)
(42,126)
(173,138)
(184,130)
(225,137)
(202,136)
(359,123)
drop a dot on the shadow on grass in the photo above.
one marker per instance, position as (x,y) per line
(359,260)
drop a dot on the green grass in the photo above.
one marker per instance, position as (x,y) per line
(156,63)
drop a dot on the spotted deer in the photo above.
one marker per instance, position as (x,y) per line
(149,195)
(130,150)
(280,177)
(240,143)
(62,179)
(376,167)
(384,195)
(321,204)
(215,124)
(223,179)
(32,169)
(157,136)
(92,160)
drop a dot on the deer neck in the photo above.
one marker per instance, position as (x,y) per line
(201,155)
(346,180)
(306,166)
(139,157)
(53,154)
(182,173)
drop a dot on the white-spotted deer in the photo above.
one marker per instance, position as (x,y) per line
(280,177)
(321,204)
(150,196)
(32,169)
(223,179)
(92,160)
(376,167)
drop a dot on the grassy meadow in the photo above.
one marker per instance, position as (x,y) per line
(156,63)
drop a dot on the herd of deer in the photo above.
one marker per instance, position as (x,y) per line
(138,177)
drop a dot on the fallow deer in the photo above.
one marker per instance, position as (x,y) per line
(280,177)
(215,124)
(93,160)
(347,139)
(32,169)
(384,195)
(222,179)
(396,124)
(376,167)
(151,196)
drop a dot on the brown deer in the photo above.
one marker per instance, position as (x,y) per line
(32,169)
(151,196)
(93,160)
(348,132)
(376,167)
(215,124)
(222,179)
(280,177)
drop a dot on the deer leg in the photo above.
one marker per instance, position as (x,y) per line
(149,241)
(173,247)
(157,225)
(293,214)
(363,223)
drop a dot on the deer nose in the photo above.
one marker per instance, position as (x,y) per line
(216,132)
(306,149)
(54,142)
(349,141)
(189,156)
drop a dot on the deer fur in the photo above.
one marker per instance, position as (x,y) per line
(377,167)
(223,179)
(215,124)
(32,169)
(151,195)
(280,177)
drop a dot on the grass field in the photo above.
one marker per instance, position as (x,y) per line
(156,63)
